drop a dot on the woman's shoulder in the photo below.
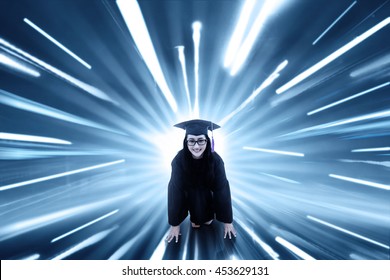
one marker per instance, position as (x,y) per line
(217,158)
(179,157)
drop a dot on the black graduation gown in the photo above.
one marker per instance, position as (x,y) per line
(204,197)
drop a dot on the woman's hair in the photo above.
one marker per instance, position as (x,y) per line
(199,167)
(206,153)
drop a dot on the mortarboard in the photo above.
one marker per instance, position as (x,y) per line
(197,127)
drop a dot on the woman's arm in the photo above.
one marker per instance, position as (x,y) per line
(222,199)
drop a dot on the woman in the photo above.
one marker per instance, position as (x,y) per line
(198,183)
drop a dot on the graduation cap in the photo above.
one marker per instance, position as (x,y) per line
(198,127)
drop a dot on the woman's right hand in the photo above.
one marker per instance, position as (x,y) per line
(174,232)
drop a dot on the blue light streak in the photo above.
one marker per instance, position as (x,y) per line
(243,52)
(361,182)
(135,22)
(28,222)
(31,257)
(348,232)
(32,138)
(348,98)
(21,103)
(294,249)
(274,255)
(380,149)
(18,66)
(379,65)
(51,69)
(281,178)
(55,176)
(85,225)
(196,27)
(239,31)
(333,56)
(58,44)
(158,253)
(182,59)
(333,23)
(274,151)
(372,116)
(267,82)
(84,244)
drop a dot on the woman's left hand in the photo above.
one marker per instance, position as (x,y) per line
(229,230)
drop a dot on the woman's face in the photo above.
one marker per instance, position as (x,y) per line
(197,145)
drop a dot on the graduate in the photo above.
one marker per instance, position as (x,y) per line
(198,183)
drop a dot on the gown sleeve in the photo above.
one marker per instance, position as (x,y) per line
(222,197)
(177,206)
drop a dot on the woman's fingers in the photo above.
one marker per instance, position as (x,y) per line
(174,233)
(229,230)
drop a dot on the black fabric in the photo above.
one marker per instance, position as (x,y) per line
(198,187)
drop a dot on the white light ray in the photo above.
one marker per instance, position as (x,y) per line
(382,163)
(377,115)
(333,56)
(182,60)
(294,249)
(280,178)
(24,104)
(32,138)
(264,85)
(84,226)
(186,246)
(348,232)
(29,222)
(121,251)
(8,153)
(380,149)
(323,33)
(239,32)
(382,114)
(135,22)
(361,182)
(257,239)
(196,27)
(61,46)
(274,151)
(159,252)
(86,243)
(354,256)
(381,63)
(249,41)
(31,257)
(17,66)
(84,86)
(20,184)
(347,99)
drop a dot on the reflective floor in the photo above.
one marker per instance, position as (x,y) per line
(90,91)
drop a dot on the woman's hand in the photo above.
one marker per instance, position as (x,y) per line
(229,230)
(174,232)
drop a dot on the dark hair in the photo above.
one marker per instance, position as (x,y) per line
(199,167)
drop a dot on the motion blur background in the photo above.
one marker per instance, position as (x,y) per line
(90,90)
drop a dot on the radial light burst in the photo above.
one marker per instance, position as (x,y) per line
(85,153)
